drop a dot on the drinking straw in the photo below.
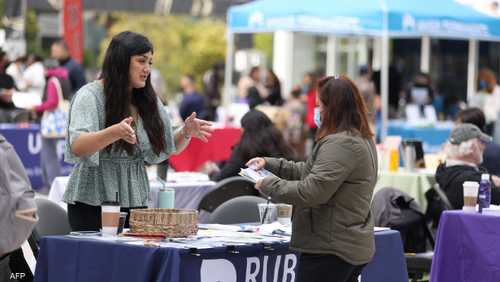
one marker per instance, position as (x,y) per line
(265,211)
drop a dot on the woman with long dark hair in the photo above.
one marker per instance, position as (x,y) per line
(260,138)
(331,191)
(116,125)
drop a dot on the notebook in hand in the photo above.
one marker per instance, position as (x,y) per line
(254,175)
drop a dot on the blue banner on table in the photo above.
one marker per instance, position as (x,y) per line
(27,142)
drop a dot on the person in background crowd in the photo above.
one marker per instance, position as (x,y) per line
(295,132)
(116,125)
(464,153)
(60,51)
(332,226)
(17,212)
(257,93)
(34,75)
(273,87)
(420,91)
(487,98)
(491,155)
(260,138)
(367,90)
(309,91)
(7,85)
(49,159)
(395,88)
(212,83)
(16,70)
(192,101)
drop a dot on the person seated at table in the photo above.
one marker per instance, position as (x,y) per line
(464,154)
(330,192)
(260,138)
(491,155)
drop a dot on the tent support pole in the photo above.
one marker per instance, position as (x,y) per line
(384,71)
(472,69)
(228,70)
(331,55)
(425,54)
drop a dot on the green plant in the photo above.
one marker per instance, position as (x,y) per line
(183,45)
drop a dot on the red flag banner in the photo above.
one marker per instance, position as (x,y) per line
(73,27)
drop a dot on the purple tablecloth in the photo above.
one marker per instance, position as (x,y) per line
(467,248)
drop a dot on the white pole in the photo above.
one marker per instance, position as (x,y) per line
(385,85)
(351,58)
(472,69)
(384,72)
(228,72)
(425,54)
(283,59)
(331,55)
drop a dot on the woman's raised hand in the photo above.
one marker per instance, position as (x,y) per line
(124,130)
(198,128)
(256,163)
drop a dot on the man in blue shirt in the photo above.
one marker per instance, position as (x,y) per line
(60,51)
(192,101)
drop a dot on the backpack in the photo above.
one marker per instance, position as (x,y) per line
(394,208)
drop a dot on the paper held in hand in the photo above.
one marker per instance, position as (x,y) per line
(254,175)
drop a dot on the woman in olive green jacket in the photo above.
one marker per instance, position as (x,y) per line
(331,191)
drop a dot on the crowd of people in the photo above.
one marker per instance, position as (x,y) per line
(118,124)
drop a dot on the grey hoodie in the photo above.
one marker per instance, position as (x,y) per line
(17,204)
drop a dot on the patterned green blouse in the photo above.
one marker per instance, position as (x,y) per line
(96,178)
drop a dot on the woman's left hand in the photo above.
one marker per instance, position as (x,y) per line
(198,128)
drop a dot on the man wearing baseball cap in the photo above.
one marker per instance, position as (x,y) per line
(464,153)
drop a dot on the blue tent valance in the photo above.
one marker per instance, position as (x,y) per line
(442,18)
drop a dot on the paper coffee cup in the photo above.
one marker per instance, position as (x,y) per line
(470,195)
(284,214)
(110,218)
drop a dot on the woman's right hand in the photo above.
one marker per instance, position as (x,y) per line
(124,130)
(256,163)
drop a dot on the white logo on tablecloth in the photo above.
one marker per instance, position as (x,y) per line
(224,271)
(34,143)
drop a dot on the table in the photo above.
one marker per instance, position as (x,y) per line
(414,184)
(467,248)
(433,137)
(218,148)
(67,259)
(27,142)
(187,194)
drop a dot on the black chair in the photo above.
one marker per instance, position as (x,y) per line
(52,219)
(241,209)
(225,190)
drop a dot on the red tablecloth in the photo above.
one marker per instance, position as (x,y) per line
(197,153)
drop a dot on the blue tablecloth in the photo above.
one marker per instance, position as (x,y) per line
(432,137)
(28,143)
(467,248)
(64,259)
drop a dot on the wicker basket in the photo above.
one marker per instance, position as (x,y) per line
(171,222)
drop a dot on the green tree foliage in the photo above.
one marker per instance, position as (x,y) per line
(182,45)
(264,43)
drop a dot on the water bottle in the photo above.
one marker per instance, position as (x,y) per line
(484,198)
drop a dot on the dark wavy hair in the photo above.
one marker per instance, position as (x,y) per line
(344,108)
(115,73)
(261,138)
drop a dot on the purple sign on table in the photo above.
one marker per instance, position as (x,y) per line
(467,248)
(27,142)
